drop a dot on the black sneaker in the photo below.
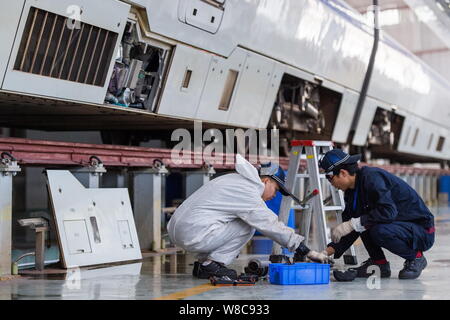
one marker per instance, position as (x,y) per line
(412,268)
(214,269)
(195,269)
(361,271)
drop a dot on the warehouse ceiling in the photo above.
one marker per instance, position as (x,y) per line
(444,5)
(421,26)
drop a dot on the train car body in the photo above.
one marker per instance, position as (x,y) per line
(153,65)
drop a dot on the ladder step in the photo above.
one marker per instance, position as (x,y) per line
(333,208)
(301,207)
(305,175)
(311,143)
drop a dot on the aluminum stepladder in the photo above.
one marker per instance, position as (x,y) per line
(316,210)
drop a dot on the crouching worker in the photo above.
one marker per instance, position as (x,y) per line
(221,217)
(384,211)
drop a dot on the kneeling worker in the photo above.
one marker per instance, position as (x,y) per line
(221,217)
(384,211)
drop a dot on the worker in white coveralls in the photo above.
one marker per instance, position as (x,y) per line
(221,217)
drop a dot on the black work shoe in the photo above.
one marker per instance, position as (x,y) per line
(412,268)
(195,269)
(361,271)
(214,269)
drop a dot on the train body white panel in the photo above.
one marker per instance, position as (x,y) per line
(208,109)
(200,14)
(92,13)
(305,34)
(185,82)
(365,122)
(421,137)
(9,16)
(345,116)
(402,79)
(412,134)
(271,93)
(137,3)
(198,81)
(167,18)
(320,41)
(252,91)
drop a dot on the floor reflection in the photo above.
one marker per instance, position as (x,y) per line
(161,275)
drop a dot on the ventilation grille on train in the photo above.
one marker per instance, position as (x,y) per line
(51,48)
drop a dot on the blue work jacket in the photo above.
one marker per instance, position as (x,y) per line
(381,197)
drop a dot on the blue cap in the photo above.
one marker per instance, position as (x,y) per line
(336,157)
(274,171)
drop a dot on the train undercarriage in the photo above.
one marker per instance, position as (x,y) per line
(129,116)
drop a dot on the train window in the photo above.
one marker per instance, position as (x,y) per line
(431,141)
(415,137)
(228,90)
(440,145)
(187,79)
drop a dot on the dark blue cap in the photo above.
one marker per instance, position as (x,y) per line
(274,171)
(336,157)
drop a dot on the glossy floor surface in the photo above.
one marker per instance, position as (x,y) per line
(169,277)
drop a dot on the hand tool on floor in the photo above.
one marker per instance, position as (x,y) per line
(257,267)
(242,280)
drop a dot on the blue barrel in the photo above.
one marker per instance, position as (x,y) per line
(261,245)
(444,185)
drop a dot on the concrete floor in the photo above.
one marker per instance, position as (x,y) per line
(169,277)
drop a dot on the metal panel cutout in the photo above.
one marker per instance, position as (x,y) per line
(95,226)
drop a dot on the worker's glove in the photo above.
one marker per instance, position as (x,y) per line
(341,230)
(301,252)
(319,257)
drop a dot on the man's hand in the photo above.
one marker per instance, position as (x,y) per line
(320,257)
(341,230)
(303,253)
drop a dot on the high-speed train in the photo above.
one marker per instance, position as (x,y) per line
(142,67)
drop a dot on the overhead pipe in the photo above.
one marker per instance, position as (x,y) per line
(368,77)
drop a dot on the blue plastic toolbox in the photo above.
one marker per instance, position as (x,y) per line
(299,273)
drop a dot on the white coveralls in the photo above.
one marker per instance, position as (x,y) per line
(221,217)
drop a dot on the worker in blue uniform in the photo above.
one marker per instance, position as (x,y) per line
(384,211)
